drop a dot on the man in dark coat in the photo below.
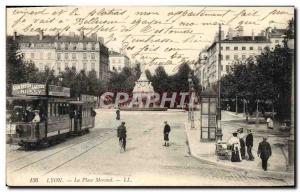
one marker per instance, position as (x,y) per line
(264,152)
(249,144)
(167,130)
(122,134)
(118,113)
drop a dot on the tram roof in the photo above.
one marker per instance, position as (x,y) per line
(25,98)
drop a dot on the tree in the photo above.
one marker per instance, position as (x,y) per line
(15,65)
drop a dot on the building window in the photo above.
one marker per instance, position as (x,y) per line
(93,66)
(221,48)
(227,48)
(84,46)
(66,46)
(49,55)
(66,65)
(243,48)
(93,46)
(73,55)
(236,57)
(92,55)
(227,57)
(236,48)
(66,56)
(84,55)
(74,65)
(84,65)
(41,55)
(259,48)
(276,41)
(74,46)
(32,55)
(58,56)
(243,57)
(250,48)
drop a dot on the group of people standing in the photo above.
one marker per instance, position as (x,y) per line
(239,142)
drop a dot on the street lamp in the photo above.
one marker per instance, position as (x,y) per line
(191,101)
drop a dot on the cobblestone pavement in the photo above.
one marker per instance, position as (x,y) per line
(95,158)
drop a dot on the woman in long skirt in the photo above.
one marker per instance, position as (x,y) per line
(235,148)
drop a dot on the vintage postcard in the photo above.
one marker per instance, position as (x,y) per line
(150,96)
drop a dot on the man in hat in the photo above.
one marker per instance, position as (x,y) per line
(264,152)
(249,144)
(167,130)
(122,134)
(36,120)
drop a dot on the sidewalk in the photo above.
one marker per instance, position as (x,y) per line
(205,151)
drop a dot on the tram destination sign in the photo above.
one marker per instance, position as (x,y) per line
(28,89)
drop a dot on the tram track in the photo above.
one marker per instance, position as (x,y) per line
(54,153)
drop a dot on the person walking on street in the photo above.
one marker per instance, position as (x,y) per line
(118,113)
(167,130)
(264,152)
(249,144)
(234,142)
(122,134)
(242,143)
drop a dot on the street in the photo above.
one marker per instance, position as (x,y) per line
(95,159)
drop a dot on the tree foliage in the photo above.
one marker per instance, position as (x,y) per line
(267,78)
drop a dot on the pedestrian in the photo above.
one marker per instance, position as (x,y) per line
(122,134)
(29,114)
(242,143)
(234,142)
(264,152)
(118,113)
(270,123)
(167,130)
(36,119)
(249,144)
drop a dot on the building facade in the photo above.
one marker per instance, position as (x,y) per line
(60,52)
(118,61)
(234,48)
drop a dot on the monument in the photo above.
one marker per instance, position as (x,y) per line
(143,92)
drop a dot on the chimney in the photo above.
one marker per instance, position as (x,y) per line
(253,35)
(81,35)
(15,35)
(41,35)
(101,39)
(230,33)
(57,36)
(94,36)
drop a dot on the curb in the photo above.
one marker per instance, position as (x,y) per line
(246,171)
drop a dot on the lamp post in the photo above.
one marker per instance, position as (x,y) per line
(191,101)
(219,129)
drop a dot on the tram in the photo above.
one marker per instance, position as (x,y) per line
(39,114)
